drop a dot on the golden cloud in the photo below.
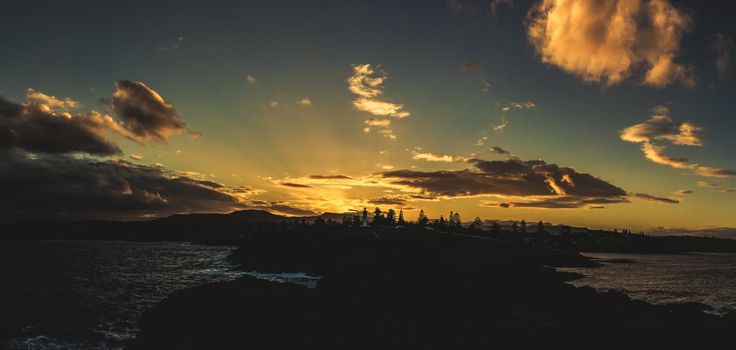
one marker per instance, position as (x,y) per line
(606,41)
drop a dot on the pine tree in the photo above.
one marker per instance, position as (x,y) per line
(390,217)
(422,220)
(377,217)
(523,226)
(477,225)
(540,226)
(401,221)
(457,222)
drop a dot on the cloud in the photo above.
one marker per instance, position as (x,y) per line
(502,126)
(607,41)
(251,79)
(144,112)
(293,184)
(175,45)
(388,133)
(499,150)
(35,127)
(723,46)
(430,157)
(564,202)
(468,66)
(305,102)
(649,197)
(274,104)
(64,187)
(367,84)
(382,108)
(518,105)
(135,156)
(478,8)
(52,102)
(378,122)
(682,193)
(534,179)
(714,186)
(660,127)
(330,177)
(388,201)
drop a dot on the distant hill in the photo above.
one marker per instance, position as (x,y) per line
(720,232)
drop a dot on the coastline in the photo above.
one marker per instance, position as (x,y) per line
(415,289)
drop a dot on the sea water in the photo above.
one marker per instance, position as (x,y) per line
(707,278)
(90,294)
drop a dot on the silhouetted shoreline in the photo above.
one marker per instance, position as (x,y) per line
(414,288)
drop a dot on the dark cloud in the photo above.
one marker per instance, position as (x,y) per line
(567,202)
(468,66)
(488,8)
(723,46)
(649,197)
(330,177)
(34,127)
(63,187)
(144,112)
(565,186)
(388,201)
(499,150)
(293,184)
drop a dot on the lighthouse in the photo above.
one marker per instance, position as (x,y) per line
(365,218)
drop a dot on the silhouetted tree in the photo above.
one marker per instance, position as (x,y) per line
(441,222)
(523,226)
(377,217)
(390,217)
(476,225)
(540,226)
(319,221)
(514,227)
(456,221)
(401,218)
(422,220)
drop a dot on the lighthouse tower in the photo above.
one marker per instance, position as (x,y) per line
(365,218)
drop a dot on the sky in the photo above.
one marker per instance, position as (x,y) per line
(598,114)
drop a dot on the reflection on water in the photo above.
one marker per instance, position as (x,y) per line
(708,278)
(89,295)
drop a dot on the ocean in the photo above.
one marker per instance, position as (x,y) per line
(90,294)
(706,278)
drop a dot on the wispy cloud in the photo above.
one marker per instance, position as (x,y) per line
(251,79)
(646,33)
(715,186)
(518,105)
(367,84)
(431,157)
(500,127)
(651,198)
(173,46)
(723,46)
(660,127)
(305,102)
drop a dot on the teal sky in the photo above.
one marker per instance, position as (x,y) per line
(438,57)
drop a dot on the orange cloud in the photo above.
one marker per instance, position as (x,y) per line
(605,41)
(660,127)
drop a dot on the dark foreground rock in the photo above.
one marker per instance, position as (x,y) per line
(415,290)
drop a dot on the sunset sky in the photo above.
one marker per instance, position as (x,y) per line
(589,113)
